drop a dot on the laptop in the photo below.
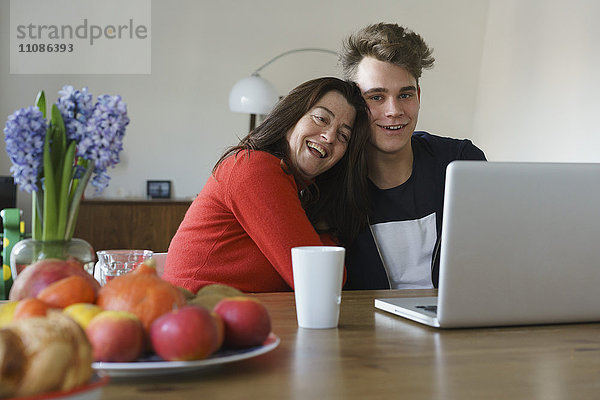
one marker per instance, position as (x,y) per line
(520,246)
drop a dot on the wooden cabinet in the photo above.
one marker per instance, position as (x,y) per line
(130,224)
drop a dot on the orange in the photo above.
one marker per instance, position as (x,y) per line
(141,292)
(30,307)
(67,291)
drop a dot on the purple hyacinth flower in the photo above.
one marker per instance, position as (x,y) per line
(24,133)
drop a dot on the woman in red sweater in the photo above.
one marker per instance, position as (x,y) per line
(298,179)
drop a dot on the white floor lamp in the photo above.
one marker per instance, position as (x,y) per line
(255,95)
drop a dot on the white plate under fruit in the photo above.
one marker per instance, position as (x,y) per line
(156,366)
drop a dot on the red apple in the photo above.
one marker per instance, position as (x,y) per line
(40,274)
(220,330)
(116,336)
(185,334)
(247,321)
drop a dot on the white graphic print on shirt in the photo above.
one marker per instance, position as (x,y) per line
(406,248)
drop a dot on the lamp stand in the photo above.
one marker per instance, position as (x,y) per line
(255,95)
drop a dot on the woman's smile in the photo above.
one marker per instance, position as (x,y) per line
(316,149)
(320,138)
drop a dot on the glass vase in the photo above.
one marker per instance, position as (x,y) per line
(28,251)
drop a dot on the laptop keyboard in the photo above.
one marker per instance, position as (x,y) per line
(432,309)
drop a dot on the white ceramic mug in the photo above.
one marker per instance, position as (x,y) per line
(318,273)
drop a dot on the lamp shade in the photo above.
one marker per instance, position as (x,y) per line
(253,95)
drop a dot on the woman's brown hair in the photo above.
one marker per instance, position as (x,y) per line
(336,201)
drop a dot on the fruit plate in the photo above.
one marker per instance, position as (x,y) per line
(154,365)
(90,391)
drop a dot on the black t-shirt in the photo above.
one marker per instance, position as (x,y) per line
(407,219)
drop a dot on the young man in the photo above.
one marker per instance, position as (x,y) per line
(406,169)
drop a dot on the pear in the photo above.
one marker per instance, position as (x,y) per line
(209,295)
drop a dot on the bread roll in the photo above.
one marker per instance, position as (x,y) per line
(49,354)
(12,362)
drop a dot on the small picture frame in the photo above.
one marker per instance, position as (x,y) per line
(158,189)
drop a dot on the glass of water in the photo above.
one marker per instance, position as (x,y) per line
(113,263)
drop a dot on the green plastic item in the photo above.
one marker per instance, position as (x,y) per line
(14,231)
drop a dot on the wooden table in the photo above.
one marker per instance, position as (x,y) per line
(375,355)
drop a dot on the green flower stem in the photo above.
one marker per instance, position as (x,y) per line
(76,200)
(59,141)
(58,171)
(50,215)
(36,200)
(36,212)
(63,195)
(83,164)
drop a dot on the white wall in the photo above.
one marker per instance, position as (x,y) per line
(520,78)
(539,88)
(180,121)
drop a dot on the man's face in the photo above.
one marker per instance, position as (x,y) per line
(392,96)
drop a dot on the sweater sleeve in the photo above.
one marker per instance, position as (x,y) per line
(264,199)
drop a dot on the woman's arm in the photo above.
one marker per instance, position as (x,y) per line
(264,199)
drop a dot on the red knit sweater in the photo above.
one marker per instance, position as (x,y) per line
(241,228)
